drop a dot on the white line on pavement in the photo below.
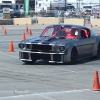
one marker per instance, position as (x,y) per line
(47,97)
(42,94)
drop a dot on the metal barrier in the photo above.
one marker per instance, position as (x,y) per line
(61,16)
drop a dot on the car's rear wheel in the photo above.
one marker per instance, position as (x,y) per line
(30,62)
(98,51)
(74,55)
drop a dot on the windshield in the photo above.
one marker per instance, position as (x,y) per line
(67,32)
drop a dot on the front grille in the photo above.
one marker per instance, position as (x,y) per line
(37,47)
(41,56)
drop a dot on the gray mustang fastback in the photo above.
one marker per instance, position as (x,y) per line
(61,43)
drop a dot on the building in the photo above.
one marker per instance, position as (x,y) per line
(39,5)
(45,4)
(31,4)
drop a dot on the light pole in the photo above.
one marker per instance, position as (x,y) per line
(50,7)
(36,9)
(65,5)
(79,5)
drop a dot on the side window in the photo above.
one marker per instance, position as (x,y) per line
(88,33)
(85,33)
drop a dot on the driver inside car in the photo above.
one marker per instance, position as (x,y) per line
(68,31)
(61,33)
(71,33)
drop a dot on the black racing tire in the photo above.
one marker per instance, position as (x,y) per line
(98,51)
(30,62)
(74,55)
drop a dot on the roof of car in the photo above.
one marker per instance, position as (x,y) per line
(72,25)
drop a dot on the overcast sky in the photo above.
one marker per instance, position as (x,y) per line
(85,1)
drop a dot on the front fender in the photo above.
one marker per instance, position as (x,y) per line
(70,47)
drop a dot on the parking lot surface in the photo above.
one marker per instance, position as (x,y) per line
(43,80)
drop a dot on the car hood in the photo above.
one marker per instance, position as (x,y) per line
(48,40)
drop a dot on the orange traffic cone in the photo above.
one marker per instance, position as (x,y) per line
(11,48)
(5,32)
(96,85)
(2,27)
(23,36)
(30,33)
(27,29)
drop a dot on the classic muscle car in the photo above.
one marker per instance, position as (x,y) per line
(61,43)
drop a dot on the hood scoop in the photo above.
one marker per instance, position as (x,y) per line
(51,39)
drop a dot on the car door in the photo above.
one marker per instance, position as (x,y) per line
(85,45)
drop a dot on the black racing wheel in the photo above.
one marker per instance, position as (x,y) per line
(74,55)
(98,51)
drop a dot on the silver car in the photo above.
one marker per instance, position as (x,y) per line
(61,43)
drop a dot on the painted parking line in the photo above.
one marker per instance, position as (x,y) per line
(44,95)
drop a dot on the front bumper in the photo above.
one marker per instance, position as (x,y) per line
(51,57)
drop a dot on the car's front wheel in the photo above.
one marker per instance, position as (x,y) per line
(98,51)
(74,55)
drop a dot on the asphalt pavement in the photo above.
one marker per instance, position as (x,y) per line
(43,80)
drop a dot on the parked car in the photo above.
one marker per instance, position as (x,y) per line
(61,43)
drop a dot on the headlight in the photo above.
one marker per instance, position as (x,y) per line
(28,46)
(62,48)
(21,45)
